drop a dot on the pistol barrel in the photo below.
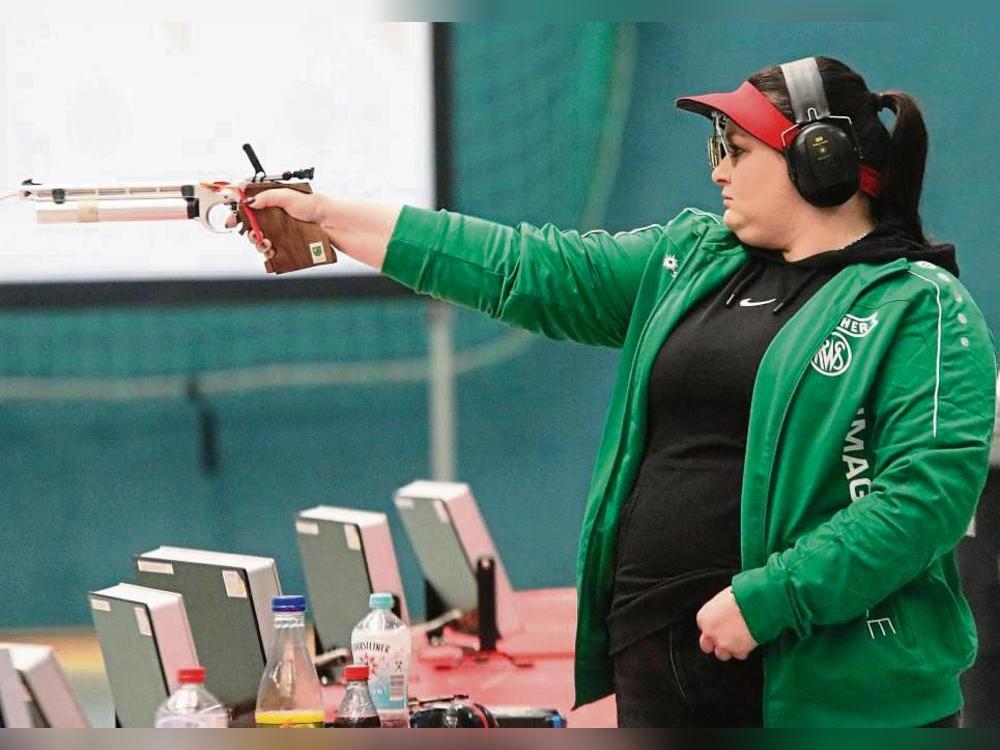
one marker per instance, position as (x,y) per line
(45,193)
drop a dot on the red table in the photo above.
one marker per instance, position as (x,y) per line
(544,649)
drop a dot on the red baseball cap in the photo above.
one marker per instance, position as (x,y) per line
(754,112)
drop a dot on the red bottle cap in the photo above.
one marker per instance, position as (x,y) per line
(356,672)
(191,674)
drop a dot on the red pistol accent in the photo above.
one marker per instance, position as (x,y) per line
(258,236)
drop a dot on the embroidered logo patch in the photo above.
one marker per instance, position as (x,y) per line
(317,253)
(857,327)
(671,264)
(835,354)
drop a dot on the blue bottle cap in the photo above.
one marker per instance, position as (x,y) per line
(380,601)
(291,603)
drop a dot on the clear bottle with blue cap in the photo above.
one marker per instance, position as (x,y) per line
(290,695)
(382,642)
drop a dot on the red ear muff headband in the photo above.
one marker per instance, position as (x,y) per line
(753,112)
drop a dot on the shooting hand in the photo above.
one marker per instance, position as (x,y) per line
(301,206)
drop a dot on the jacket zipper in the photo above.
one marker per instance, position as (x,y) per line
(773,450)
(628,396)
(661,298)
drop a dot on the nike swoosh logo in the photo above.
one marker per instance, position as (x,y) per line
(748,303)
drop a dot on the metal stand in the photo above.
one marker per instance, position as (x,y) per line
(483,621)
(441,387)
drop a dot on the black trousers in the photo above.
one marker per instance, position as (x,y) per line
(666,680)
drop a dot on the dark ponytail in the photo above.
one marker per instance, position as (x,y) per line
(903,171)
(900,157)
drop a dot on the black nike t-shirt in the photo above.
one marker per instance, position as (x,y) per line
(679,534)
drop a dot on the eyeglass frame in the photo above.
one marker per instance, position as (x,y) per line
(718,145)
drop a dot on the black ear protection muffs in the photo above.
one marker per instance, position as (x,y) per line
(824,156)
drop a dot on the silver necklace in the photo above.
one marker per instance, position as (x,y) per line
(857,238)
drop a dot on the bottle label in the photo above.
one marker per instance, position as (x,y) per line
(289,719)
(194,721)
(386,655)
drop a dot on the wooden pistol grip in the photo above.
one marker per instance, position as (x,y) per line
(296,244)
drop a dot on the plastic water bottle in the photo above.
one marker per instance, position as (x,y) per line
(191,706)
(357,711)
(381,641)
(289,694)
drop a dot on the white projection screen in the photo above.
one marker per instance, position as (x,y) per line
(172,102)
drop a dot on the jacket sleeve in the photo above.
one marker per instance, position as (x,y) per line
(561,283)
(932,408)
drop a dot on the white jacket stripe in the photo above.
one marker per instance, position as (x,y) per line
(937,367)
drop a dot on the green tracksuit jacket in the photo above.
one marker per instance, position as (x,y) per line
(868,447)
